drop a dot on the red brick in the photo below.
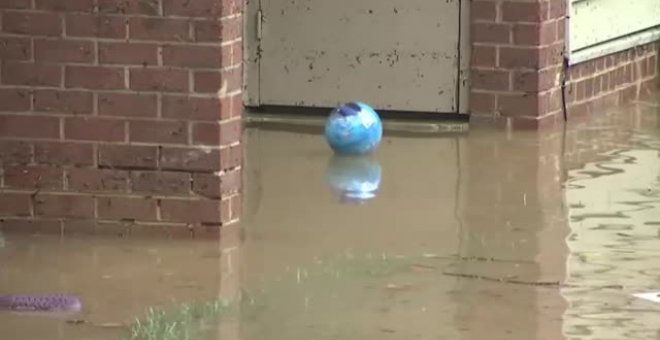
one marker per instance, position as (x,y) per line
(29,126)
(230,182)
(63,154)
(483,10)
(491,33)
(534,34)
(14,204)
(551,54)
(482,102)
(207,81)
(94,227)
(15,48)
(557,9)
(587,69)
(231,157)
(236,106)
(555,100)
(525,11)
(94,129)
(147,7)
(32,226)
(522,104)
(207,185)
(490,80)
(33,177)
(14,100)
(69,102)
(31,74)
(193,108)
(561,29)
(162,29)
(598,84)
(580,90)
(160,182)
(128,156)
(191,211)
(211,82)
(206,134)
(230,7)
(94,77)
(69,206)
(127,104)
(214,186)
(236,54)
(127,208)
(588,88)
(192,56)
(485,56)
(207,231)
(200,8)
(236,207)
(159,79)
(68,5)
(519,57)
(218,31)
(15,4)
(98,26)
(149,131)
(32,23)
(189,159)
(15,152)
(128,54)
(536,80)
(226,209)
(230,132)
(96,180)
(600,64)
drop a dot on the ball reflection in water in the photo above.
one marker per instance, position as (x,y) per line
(355,179)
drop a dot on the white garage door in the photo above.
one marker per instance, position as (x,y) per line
(600,27)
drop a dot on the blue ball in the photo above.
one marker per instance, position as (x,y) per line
(353,129)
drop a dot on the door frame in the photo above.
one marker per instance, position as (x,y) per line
(252,56)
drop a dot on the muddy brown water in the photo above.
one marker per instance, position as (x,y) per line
(482,235)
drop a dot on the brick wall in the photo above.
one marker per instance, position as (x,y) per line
(517,57)
(517,67)
(612,80)
(120,116)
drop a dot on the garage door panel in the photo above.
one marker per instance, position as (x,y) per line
(594,22)
(394,54)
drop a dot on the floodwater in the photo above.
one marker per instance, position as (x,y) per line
(478,235)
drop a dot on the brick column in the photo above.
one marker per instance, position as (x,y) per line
(120,116)
(517,58)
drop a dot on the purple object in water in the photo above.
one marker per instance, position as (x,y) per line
(42,303)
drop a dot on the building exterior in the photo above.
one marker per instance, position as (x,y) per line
(600,52)
(129,113)
(120,116)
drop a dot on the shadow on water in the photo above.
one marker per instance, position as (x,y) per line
(482,235)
